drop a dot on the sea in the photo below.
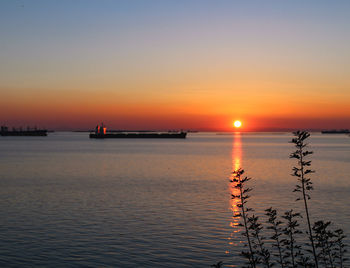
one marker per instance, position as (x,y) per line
(70,201)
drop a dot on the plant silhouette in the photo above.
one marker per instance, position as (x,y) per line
(284,247)
(239,183)
(305,185)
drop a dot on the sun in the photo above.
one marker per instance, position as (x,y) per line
(237,124)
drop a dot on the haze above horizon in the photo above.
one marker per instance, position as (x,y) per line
(175,64)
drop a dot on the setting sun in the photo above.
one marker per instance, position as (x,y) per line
(237,123)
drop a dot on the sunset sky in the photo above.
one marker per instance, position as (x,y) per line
(172,64)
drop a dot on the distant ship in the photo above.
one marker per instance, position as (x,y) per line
(336,131)
(20,132)
(101,133)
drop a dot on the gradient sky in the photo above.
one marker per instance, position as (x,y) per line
(171,64)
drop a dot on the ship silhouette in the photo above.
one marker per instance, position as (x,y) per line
(22,132)
(102,133)
(336,131)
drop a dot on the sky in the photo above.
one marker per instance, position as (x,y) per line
(175,64)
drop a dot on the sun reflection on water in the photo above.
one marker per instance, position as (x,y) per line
(236,164)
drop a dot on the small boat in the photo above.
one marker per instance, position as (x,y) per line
(336,131)
(102,133)
(20,132)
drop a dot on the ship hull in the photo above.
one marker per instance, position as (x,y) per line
(342,131)
(181,135)
(24,133)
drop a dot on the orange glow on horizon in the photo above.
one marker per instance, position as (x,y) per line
(63,110)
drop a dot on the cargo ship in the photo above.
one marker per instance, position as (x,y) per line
(20,132)
(102,133)
(336,131)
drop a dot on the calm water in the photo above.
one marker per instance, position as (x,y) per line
(68,201)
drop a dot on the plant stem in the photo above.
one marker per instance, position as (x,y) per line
(292,248)
(245,222)
(341,257)
(305,204)
(266,260)
(329,254)
(278,245)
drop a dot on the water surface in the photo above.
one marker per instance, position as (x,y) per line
(68,201)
